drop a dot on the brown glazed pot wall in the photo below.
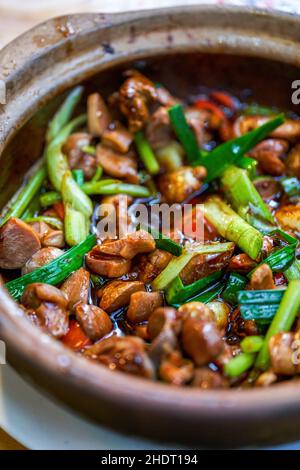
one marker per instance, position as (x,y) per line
(42,64)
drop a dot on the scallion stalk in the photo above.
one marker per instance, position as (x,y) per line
(178,293)
(78,176)
(64,113)
(239,364)
(259,305)
(249,164)
(281,259)
(252,344)
(50,198)
(26,194)
(291,186)
(57,164)
(146,153)
(170,157)
(254,109)
(53,221)
(163,242)
(73,194)
(104,188)
(184,133)
(235,283)
(232,227)
(176,265)
(228,153)
(292,273)
(98,174)
(54,272)
(89,149)
(243,195)
(283,321)
(76,229)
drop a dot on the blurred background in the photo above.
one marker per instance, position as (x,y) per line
(16,16)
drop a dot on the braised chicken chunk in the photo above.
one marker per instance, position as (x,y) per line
(159,235)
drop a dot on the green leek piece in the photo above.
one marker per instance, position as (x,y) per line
(232,227)
(54,272)
(282,321)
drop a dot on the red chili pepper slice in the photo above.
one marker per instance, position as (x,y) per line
(224,99)
(76,338)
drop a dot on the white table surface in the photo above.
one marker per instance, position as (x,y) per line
(39,423)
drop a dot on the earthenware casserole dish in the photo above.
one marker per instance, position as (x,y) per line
(243,49)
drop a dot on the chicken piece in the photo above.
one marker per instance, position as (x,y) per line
(77,158)
(117,294)
(293,162)
(135,95)
(268,245)
(108,266)
(47,306)
(54,238)
(161,317)
(208,379)
(262,278)
(141,331)
(281,354)
(41,258)
(268,188)
(93,320)
(241,263)
(196,310)
(48,237)
(37,293)
(170,157)
(201,266)
(165,98)
(176,370)
(76,287)
(53,319)
(164,325)
(18,242)
(41,228)
(115,208)
(288,217)
(200,120)
(87,163)
(152,265)
(238,328)
(142,304)
(129,246)
(217,311)
(229,351)
(201,340)
(221,312)
(126,354)
(98,115)
(290,130)
(116,165)
(158,129)
(117,200)
(75,142)
(178,185)
(118,139)
(266,379)
(268,153)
